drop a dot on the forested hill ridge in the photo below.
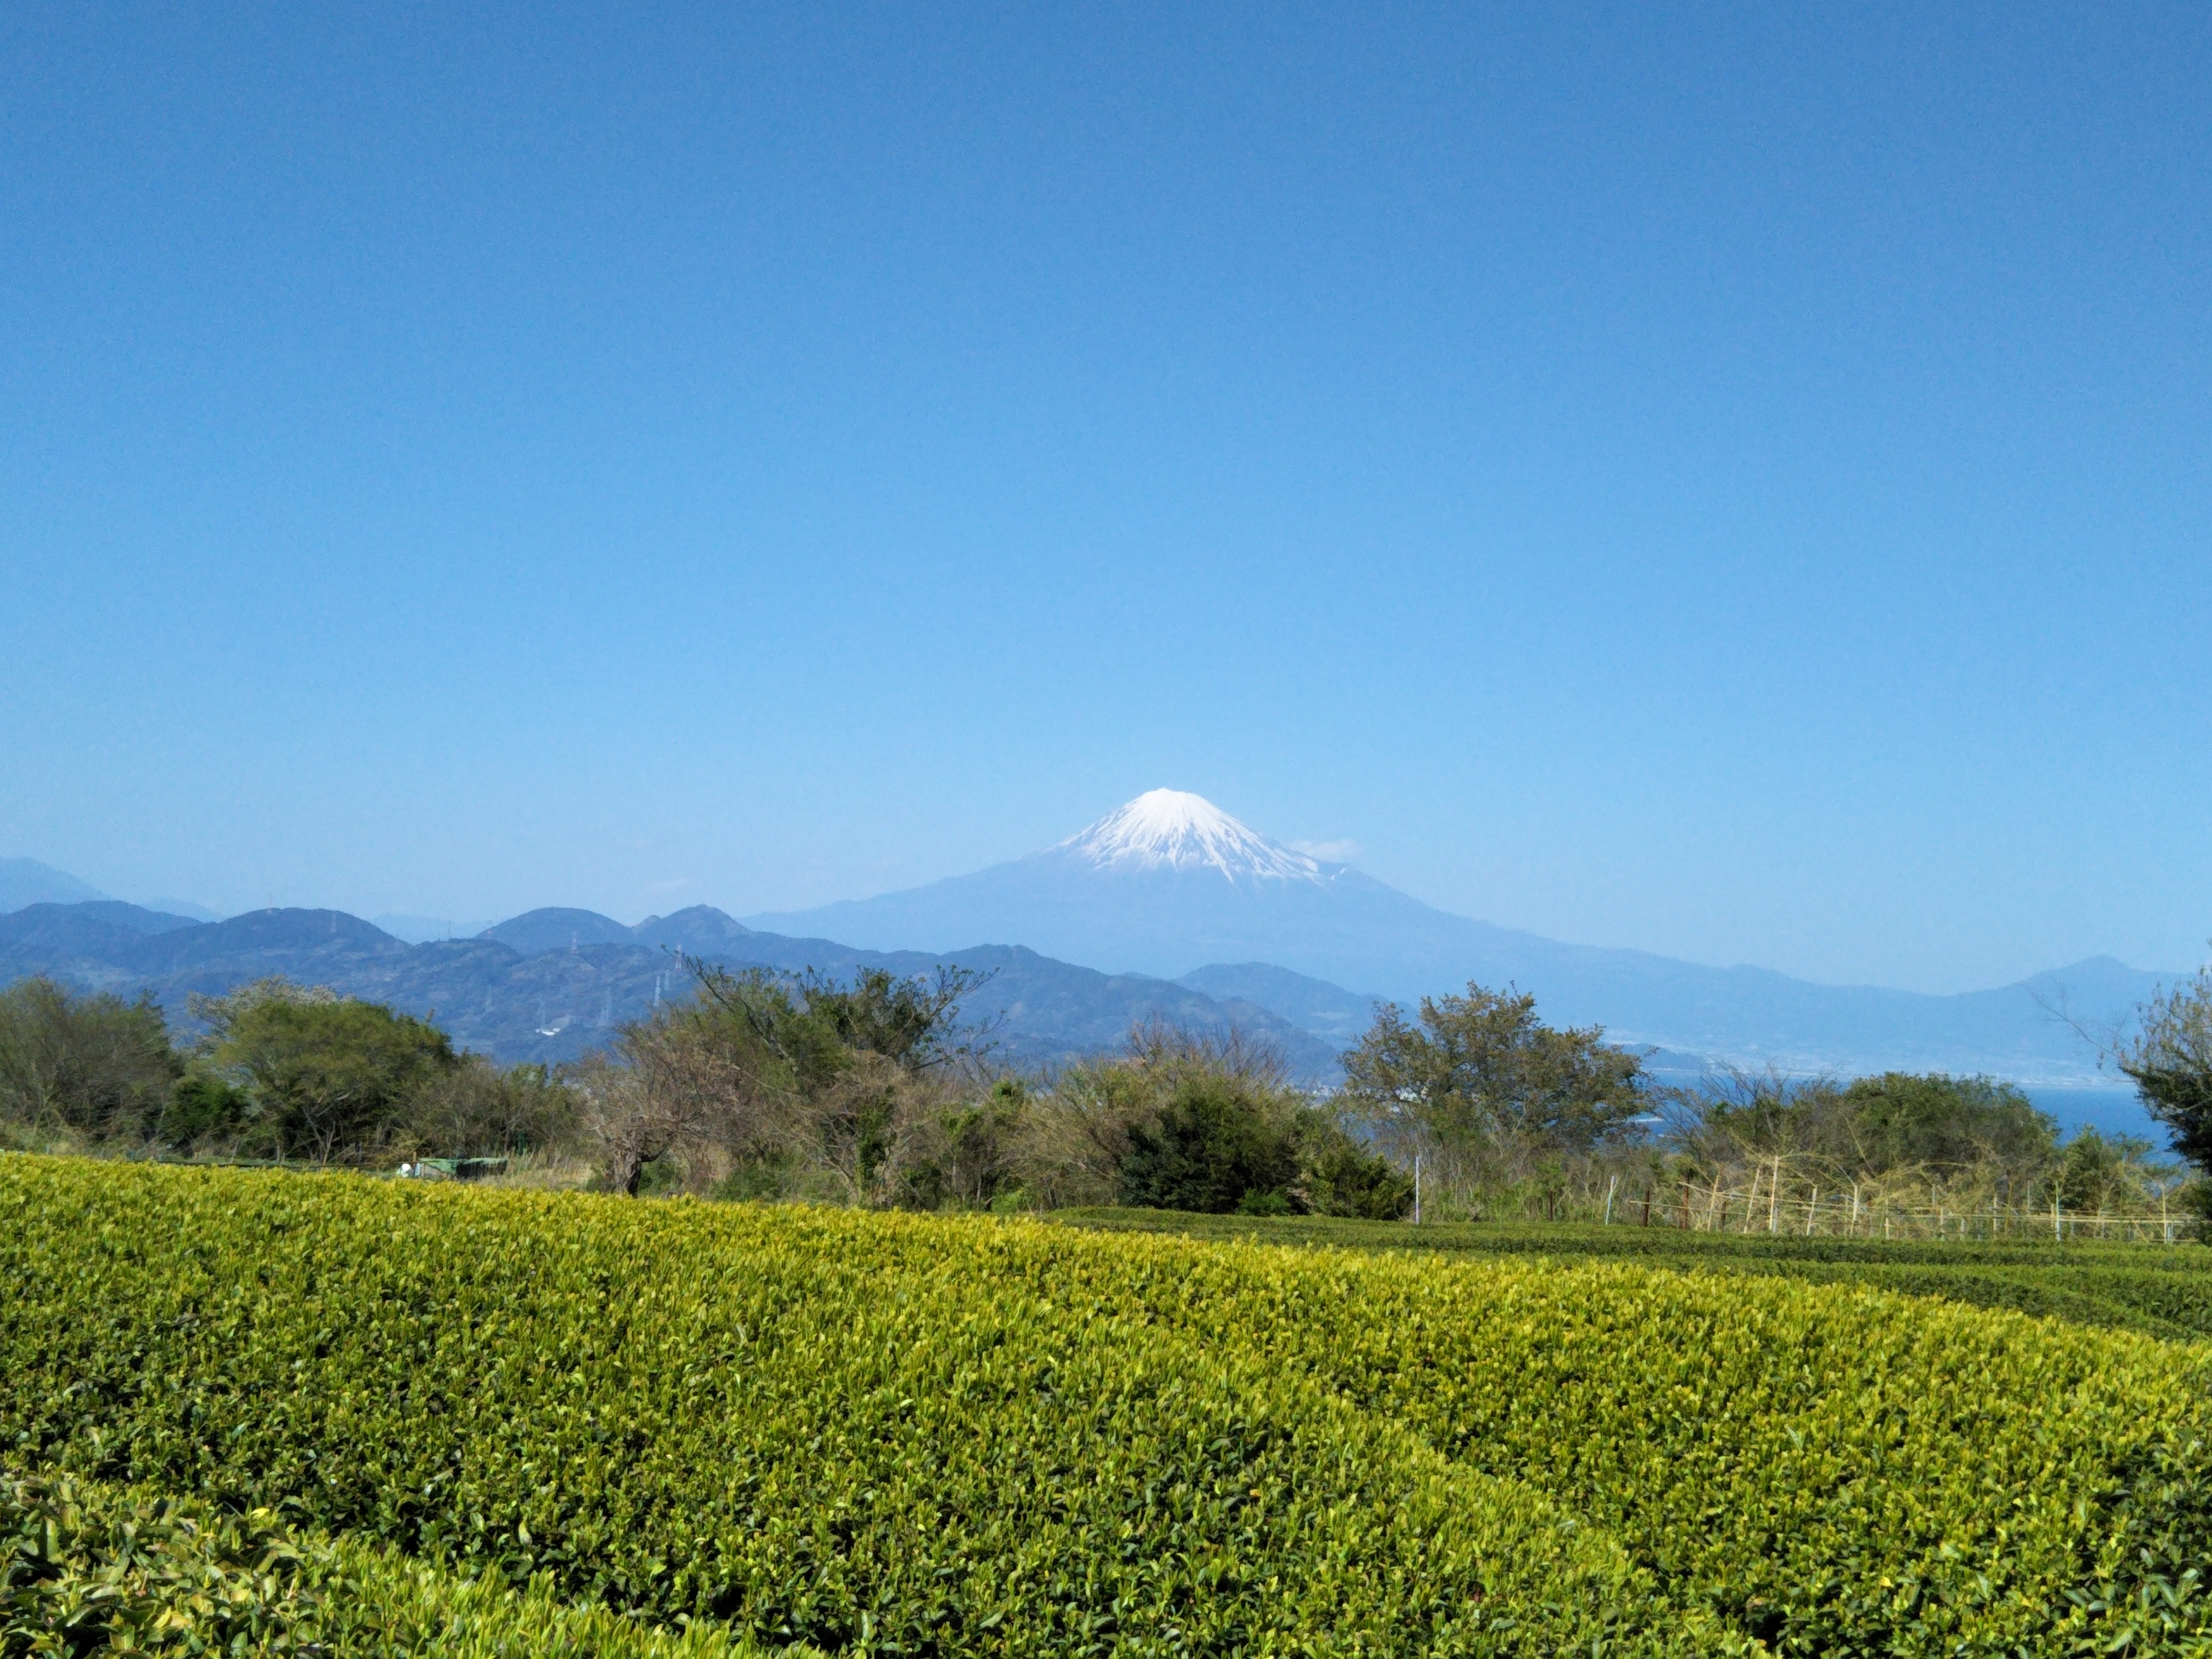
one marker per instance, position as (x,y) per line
(551,984)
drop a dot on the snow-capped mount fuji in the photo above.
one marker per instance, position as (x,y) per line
(1169,883)
(1170,829)
(1162,884)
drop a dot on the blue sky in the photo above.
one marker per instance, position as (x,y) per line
(1732,483)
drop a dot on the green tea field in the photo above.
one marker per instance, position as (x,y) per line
(254,1412)
(2158,1290)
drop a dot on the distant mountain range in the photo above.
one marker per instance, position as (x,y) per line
(551,984)
(1167,907)
(1169,882)
(26,881)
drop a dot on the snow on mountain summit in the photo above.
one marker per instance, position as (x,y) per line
(1172,829)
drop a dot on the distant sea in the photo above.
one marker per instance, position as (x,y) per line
(2111,1109)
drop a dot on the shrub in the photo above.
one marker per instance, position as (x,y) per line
(1819,1466)
(1207,1147)
(473,1109)
(957,1435)
(205,1110)
(1338,1176)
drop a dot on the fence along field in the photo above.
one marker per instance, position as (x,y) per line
(885,1433)
(1767,1204)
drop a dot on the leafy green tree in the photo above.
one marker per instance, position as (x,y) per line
(787,1071)
(1900,1132)
(856,1054)
(1940,1123)
(89,1062)
(1196,1120)
(1480,1078)
(206,1110)
(2170,1062)
(2098,1172)
(969,1160)
(1929,1123)
(331,1078)
(1735,1111)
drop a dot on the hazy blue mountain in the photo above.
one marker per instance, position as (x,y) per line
(702,931)
(414,929)
(583,975)
(1330,1012)
(184,908)
(555,929)
(1168,883)
(26,881)
(86,944)
(133,918)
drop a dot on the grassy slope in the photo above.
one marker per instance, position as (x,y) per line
(2163,1290)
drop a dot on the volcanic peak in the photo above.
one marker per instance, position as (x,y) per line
(1172,829)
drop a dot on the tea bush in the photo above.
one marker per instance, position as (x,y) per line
(85,1568)
(901,1434)
(2158,1290)
(871,1433)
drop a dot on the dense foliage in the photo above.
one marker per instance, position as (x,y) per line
(2170,1062)
(323,1075)
(1483,1086)
(89,1062)
(782,1084)
(905,1434)
(282,1071)
(868,1091)
(1183,1121)
(1876,1126)
(86,1568)
(2163,1291)
(967,1436)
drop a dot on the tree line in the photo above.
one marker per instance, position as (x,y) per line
(280,1072)
(873,1091)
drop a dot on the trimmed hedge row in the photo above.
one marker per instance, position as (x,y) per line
(2158,1289)
(891,1434)
(872,1434)
(86,1568)
(1831,1469)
